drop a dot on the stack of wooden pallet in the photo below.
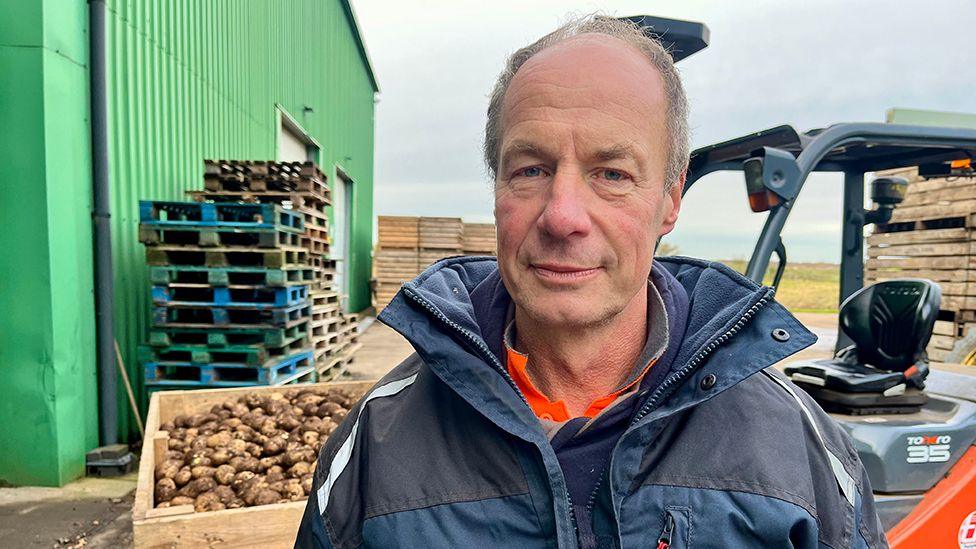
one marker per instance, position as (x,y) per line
(479,238)
(408,245)
(396,258)
(932,234)
(302,188)
(230,295)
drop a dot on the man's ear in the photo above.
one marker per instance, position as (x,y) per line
(672,205)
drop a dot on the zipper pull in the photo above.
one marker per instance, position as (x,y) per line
(664,542)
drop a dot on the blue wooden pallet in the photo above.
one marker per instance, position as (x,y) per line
(161,214)
(227,337)
(230,355)
(303,376)
(191,316)
(258,297)
(226,276)
(190,374)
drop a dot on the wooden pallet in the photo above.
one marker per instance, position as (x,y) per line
(266,526)
(268,258)
(293,199)
(932,235)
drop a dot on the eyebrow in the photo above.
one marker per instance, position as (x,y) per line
(519,147)
(615,152)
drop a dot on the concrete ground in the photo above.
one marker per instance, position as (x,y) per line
(91,512)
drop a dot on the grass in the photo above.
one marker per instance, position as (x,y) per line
(805,287)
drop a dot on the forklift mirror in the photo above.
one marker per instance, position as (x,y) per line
(761,199)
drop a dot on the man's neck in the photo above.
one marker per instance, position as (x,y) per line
(581,364)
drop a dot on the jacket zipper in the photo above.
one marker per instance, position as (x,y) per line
(669,385)
(479,344)
(664,540)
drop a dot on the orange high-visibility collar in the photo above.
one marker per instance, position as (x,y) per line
(556,411)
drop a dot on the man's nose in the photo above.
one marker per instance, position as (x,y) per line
(566,210)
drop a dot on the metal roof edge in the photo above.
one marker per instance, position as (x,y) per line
(354,23)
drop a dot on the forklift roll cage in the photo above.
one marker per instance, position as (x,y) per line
(854,149)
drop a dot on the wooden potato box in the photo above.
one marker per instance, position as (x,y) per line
(264,526)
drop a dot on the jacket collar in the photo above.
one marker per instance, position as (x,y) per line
(454,316)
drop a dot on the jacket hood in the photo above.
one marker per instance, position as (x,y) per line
(454,313)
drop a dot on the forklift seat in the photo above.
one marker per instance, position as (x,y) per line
(883,372)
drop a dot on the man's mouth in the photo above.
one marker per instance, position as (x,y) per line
(556,272)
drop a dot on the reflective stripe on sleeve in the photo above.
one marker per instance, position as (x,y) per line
(844,480)
(344,454)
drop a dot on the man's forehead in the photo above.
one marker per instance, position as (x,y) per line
(591,60)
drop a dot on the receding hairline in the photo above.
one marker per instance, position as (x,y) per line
(596,26)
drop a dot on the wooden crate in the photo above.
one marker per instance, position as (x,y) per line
(264,526)
(398,231)
(479,238)
(442,233)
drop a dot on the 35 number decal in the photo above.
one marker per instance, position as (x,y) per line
(934,449)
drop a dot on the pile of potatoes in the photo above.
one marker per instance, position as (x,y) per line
(258,449)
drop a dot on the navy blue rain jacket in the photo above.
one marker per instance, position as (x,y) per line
(725,452)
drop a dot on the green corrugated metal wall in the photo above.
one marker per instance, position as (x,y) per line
(49,407)
(190,80)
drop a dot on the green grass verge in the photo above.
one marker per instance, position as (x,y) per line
(805,288)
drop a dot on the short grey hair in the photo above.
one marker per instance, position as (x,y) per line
(629,32)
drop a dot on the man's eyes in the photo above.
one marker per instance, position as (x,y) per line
(531,171)
(612,175)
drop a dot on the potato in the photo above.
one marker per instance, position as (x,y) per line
(300,469)
(266,463)
(339,416)
(307,482)
(198,486)
(235,503)
(218,440)
(168,468)
(241,479)
(201,471)
(208,501)
(310,437)
(167,426)
(165,490)
(267,497)
(220,456)
(175,444)
(293,490)
(277,475)
(224,474)
(183,476)
(253,449)
(237,447)
(274,446)
(181,500)
(182,420)
(249,464)
(287,421)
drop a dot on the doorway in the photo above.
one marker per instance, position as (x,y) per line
(342,209)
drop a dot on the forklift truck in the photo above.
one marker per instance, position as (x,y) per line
(914,428)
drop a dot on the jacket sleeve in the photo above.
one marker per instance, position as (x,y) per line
(867,526)
(311,533)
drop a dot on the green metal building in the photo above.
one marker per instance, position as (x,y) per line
(186,80)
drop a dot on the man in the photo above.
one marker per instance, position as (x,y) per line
(577,393)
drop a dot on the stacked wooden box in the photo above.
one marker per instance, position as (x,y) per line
(479,239)
(230,295)
(408,245)
(396,257)
(302,188)
(932,234)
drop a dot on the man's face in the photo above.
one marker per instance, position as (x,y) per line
(579,193)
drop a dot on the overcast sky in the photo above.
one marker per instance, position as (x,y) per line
(808,64)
